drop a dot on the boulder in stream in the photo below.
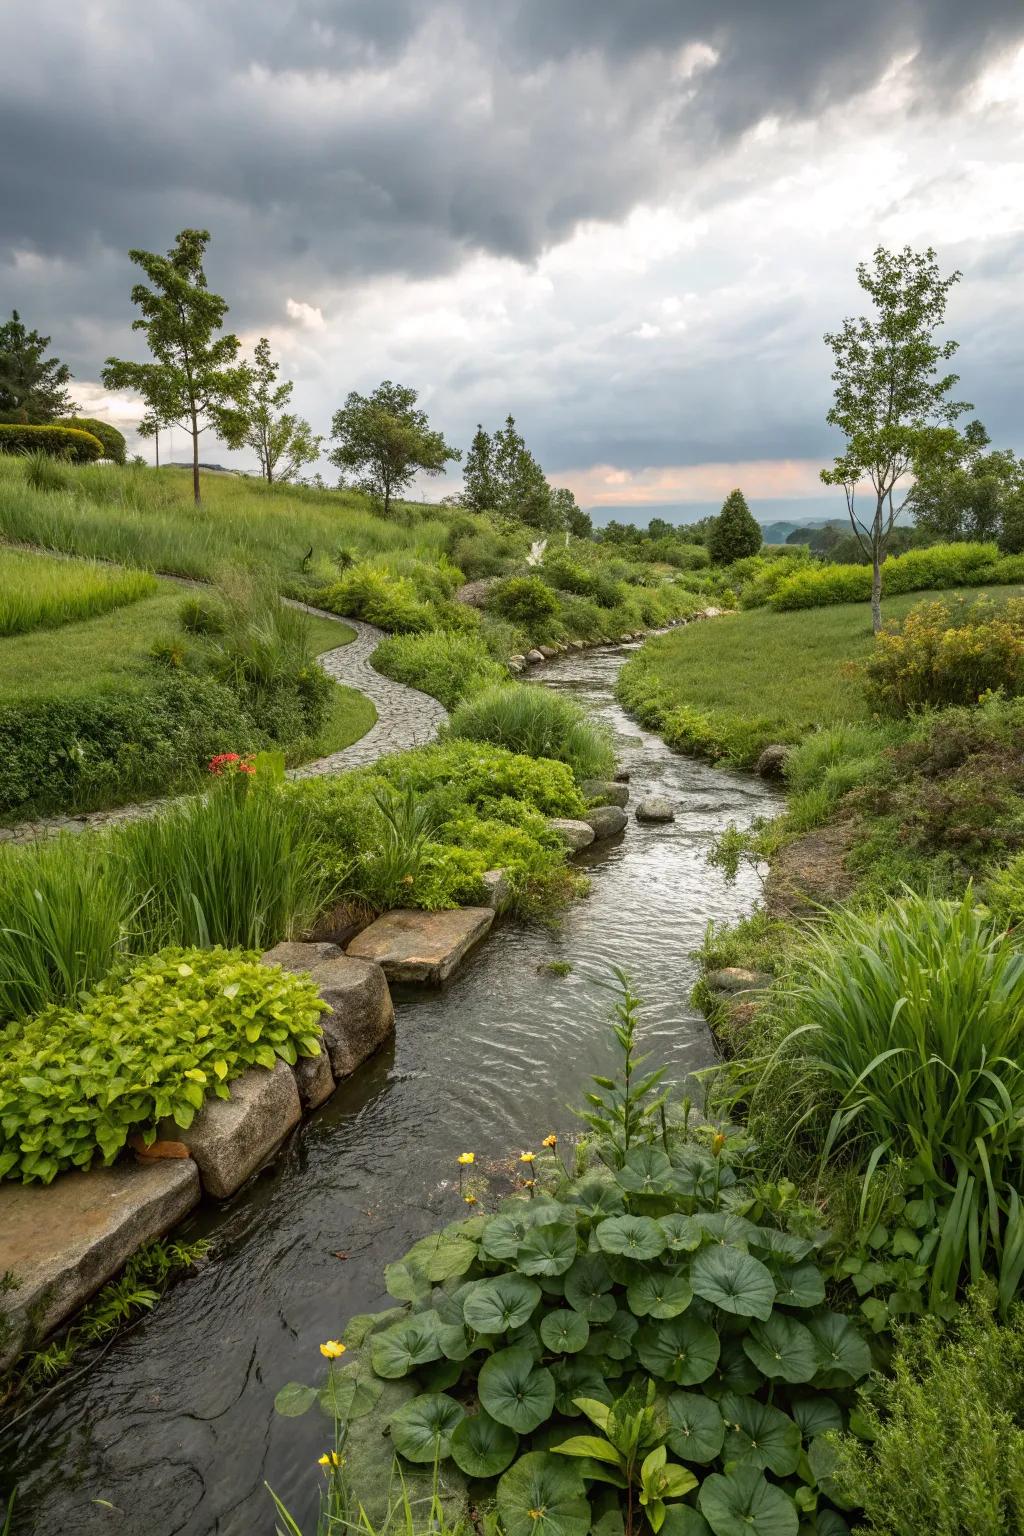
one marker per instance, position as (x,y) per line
(772,762)
(230,1138)
(605,791)
(656,808)
(415,946)
(361,1015)
(607,821)
(575,834)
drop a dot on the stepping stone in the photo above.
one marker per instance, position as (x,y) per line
(655,808)
(605,791)
(230,1138)
(62,1241)
(607,821)
(362,1014)
(421,946)
(575,834)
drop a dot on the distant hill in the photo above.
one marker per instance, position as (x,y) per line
(778,533)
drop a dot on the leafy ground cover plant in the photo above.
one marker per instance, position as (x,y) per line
(943,654)
(526,719)
(149,1042)
(645,1342)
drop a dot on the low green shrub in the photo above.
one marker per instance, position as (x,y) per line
(941,1437)
(524,601)
(59,442)
(450,667)
(944,654)
(936,566)
(644,1339)
(114,445)
(540,723)
(149,1043)
(370,592)
(901,1035)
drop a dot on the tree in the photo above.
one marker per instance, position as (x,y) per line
(479,493)
(195,380)
(980,497)
(283,443)
(890,396)
(734,532)
(32,386)
(520,487)
(569,514)
(387,441)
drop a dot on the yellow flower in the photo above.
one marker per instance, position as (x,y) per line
(717,1143)
(330,1459)
(529,1183)
(465,1158)
(469,1199)
(550,1141)
(527,1157)
(333,1349)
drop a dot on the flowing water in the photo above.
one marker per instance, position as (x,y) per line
(172,1431)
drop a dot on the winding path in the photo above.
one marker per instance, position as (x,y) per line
(405,718)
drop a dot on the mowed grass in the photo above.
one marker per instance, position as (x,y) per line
(42,592)
(729,686)
(146,518)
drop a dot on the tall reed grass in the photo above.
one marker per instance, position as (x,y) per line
(38,592)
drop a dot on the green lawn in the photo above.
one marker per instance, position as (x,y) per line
(729,686)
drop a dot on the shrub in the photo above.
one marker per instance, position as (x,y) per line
(907,1027)
(390,602)
(449,667)
(532,720)
(625,1327)
(734,532)
(114,445)
(944,1432)
(151,1043)
(39,592)
(59,442)
(938,565)
(942,655)
(525,601)
(481,554)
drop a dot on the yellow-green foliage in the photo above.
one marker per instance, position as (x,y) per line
(938,566)
(945,654)
(39,592)
(60,442)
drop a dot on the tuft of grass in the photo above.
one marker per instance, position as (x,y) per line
(39,592)
(450,667)
(534,721)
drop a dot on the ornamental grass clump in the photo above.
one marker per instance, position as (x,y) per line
(910,1024)
(539,723)
(148,1042)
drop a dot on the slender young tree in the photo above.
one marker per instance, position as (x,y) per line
(33,387)
(195,379)
(479,491)
(283,442)
(387,441)
(891,396)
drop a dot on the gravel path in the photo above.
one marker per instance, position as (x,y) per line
(405,718)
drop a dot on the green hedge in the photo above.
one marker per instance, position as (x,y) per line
(937,567)
(58,442)
(114,445)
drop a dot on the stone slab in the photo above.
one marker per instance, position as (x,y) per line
(497,888)
(296,955)
(64,1240)
(230,1138)
(416,946)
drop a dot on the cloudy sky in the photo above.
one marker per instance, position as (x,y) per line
(628,222)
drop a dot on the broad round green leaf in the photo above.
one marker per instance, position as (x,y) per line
(659,1294)
(564,1331)
(735,1371)
(733,1280)
(843,1355)
(454,1341)
(294,1399)
(587,1285)
(400,1349)
(481,1447)
(697,1429)
(682,1233)
(406,1282)
(726,1227)
(682,1520)
(744,1503)
(547,1250)
(578,1376)
(542,1495)
(422,1429)
(646,1171)
(596,1198)
(634,1237)
(515,1390)
(503,1234)
(440,1375)
(759,1435)
(495,1306)
(349,1392)
(799,1285)
(815,1414)
(781,1245)
(683,1349)
(782,1349)
(694,1172)
(440,1257)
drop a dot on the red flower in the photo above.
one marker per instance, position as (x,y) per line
(230,762)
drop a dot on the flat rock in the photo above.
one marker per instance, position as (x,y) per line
(314,1079)
(736,978)
(605,792)
(230,1138)
(576,834)
(361,1016)
(64,1240)
(607,821)
(497,889)
(422,946)
(655,808)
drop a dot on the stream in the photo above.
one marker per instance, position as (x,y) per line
(171,1431)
